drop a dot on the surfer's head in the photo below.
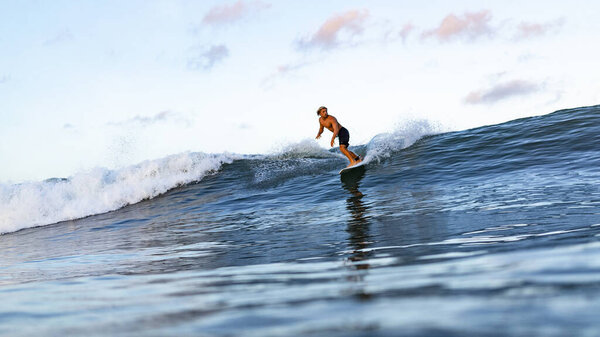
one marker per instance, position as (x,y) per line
(321,109)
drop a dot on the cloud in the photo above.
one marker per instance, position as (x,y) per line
(283,71)
(529,30)
(405,31)
(286,69)
(208,57)
(161,117)
(68,126)
(4,79)
(329,35)
(226,14)
(502,91)
(402,34)
(62,36)
(242,126)
(470,25)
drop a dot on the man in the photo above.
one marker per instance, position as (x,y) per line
(331,123)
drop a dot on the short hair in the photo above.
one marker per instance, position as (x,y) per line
(321,108)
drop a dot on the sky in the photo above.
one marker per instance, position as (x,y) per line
(87,84)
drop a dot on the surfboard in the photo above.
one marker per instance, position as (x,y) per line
(348,169)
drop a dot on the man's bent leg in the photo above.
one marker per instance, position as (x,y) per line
(355,156)
(349,154)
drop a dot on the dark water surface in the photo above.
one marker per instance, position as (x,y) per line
(493,231)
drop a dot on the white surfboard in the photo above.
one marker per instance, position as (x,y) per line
(347,169)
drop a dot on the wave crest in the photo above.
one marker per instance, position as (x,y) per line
(405,134)
(100,190)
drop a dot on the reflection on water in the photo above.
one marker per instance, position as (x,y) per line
(358,228)
(358,225)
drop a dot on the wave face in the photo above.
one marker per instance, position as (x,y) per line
(554,145)
(498,224)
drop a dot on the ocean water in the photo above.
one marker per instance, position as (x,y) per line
(493,231)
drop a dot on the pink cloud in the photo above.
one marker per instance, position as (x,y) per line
(502,91)
(528,30)
(283,71)
(230,13)
(471,25)
(288,68)
(405,31)
(328,35)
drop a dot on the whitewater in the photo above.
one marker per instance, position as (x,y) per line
(491,231)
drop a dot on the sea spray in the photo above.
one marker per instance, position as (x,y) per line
(306,148)
(405,134)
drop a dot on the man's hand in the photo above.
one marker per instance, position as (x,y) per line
(332,140)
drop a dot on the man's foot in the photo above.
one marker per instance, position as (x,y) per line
(357,160)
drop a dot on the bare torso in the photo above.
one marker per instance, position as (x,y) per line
(329,122)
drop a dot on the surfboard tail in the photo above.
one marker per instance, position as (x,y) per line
(350,168)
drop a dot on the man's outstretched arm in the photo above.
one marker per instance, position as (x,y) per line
(320,132)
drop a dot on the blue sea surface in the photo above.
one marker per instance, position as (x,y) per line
(493,231)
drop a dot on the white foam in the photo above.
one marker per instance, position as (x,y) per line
(99,190)
(307,148)
(405,134)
